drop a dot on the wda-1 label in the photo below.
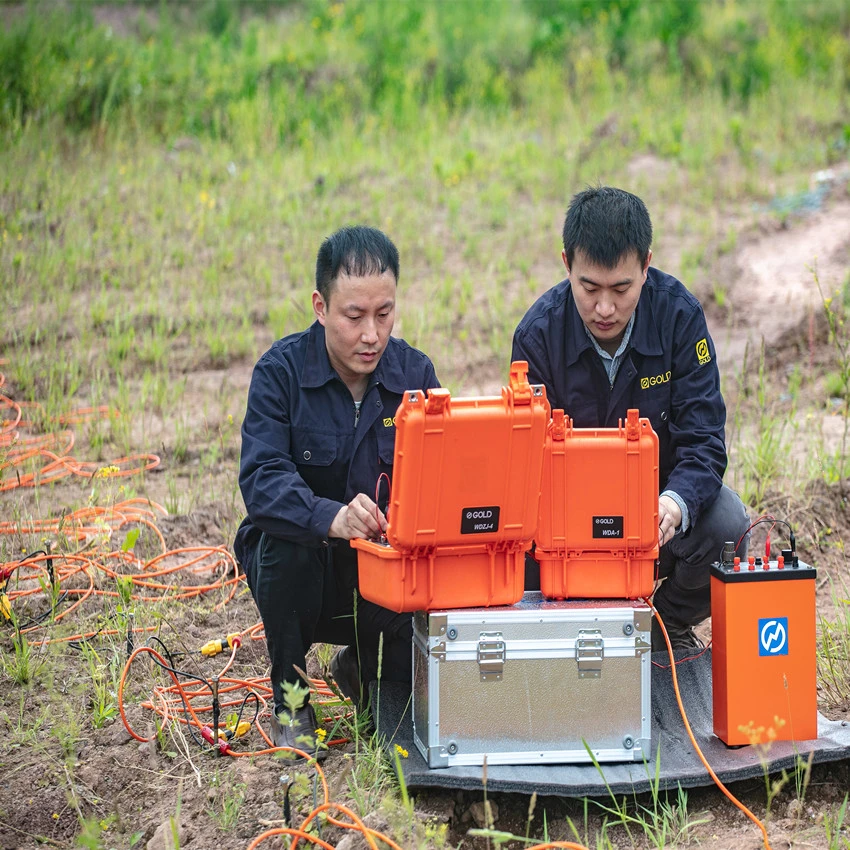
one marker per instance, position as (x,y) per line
(479,520)
(607,526)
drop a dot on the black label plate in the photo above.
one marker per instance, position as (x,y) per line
(483,520)
(607,526)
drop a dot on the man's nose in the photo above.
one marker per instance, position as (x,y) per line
(605,307)
(369,331)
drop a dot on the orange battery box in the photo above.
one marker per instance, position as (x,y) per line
(464,500)
(764,675)
(597,534)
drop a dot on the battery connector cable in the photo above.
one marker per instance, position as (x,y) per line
(52,449)
(190,700)
(177,574)
(716,779)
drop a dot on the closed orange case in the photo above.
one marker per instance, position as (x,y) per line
(464,501)
(597,533)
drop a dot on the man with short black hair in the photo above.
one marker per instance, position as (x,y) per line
(318,433)
(619,334)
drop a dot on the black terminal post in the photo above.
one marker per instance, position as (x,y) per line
(728,556)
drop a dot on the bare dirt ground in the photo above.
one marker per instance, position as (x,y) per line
(61,769)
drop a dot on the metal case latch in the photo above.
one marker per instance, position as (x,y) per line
(590,650)
(491,655)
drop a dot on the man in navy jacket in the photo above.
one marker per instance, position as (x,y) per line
(318,432)
(619,334)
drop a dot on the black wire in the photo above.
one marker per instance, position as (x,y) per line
(172,669)
(242,708)
(762,521)
(35,554)
(35,621)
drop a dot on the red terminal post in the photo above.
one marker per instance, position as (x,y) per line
(736,564)
(780,563)
(751,562)
(766,564)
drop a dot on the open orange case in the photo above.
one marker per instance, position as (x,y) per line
(464,501)
(597,534)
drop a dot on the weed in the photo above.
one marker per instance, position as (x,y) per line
(833,822)
(834,650)
(765,455)
(104,682)
(838,383)
(21,667)
(228,802)
(662,822)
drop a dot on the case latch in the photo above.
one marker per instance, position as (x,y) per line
(491,655)
(590,651)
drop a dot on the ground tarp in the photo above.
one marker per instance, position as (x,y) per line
(679,764)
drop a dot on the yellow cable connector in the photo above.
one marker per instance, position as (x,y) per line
(229,734)
(243,728)
(213,647)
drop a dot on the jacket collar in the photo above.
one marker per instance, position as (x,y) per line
(317,369)
(645,337)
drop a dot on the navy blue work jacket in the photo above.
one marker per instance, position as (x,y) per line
(303,458)
(668,372)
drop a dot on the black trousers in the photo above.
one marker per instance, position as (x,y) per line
(308,595)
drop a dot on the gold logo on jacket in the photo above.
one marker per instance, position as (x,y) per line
(389,421)
(663,378)
(702,352)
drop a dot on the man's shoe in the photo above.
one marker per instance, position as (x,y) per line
(346,673)
(299,734)
(681,637)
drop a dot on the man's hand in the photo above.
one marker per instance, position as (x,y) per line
(669,519)
(361,517)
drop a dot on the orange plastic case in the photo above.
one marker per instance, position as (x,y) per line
(464,501)
(764,652)
(597,534)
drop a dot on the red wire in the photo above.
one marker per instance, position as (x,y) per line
(754,523)
(378,495)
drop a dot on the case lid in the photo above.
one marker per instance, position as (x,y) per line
(468,470)
(600,487)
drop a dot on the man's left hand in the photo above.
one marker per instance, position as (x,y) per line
(669,519)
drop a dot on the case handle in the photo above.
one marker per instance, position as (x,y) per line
(520,387)
(438,400)
(633,424)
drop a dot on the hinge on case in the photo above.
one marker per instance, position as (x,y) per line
(438,651)
(590,651)
(491,656)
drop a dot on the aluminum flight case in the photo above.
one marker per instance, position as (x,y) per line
(538,682)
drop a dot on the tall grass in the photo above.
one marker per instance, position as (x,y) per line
(284,72)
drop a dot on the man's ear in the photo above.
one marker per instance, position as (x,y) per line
(648,261)
(319,306)
(566,262)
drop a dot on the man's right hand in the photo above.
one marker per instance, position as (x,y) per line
(361,517)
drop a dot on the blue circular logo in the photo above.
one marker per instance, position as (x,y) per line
(773,636)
